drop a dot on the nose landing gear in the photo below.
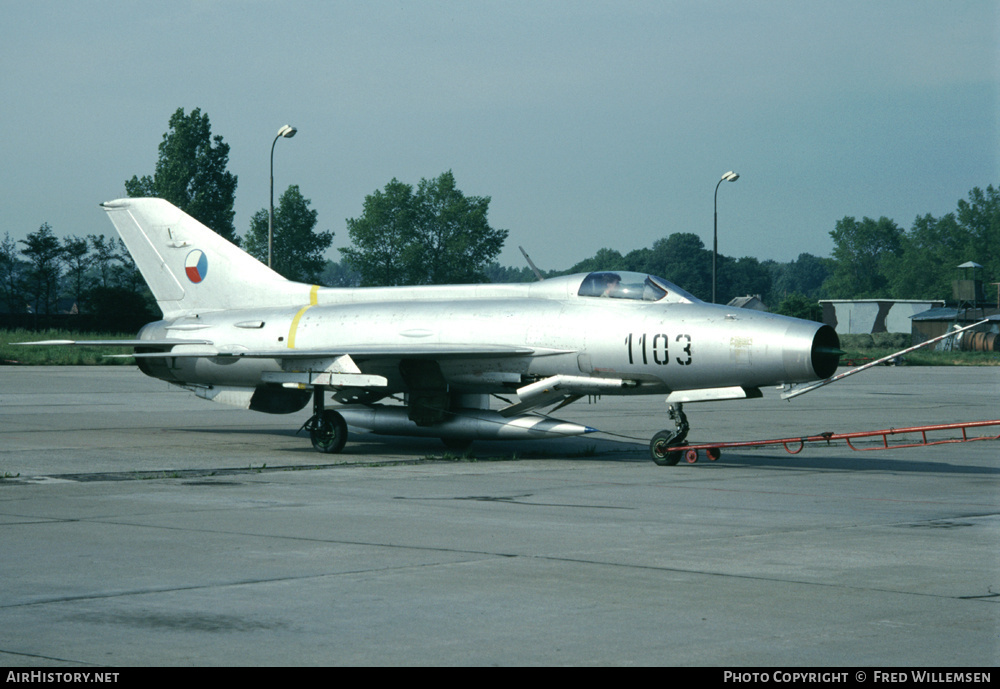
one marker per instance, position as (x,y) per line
(667,447)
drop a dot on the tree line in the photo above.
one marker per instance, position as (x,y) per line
(43,279)
(92,275)
(432,233)
(875,258)
(871,258)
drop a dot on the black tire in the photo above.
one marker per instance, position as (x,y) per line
(662,452)
(331,433)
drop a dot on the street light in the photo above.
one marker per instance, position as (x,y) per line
(728,177)
(287,132)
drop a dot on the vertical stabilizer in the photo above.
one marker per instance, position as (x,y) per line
(189,267)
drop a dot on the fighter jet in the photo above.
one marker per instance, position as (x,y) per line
(236,332)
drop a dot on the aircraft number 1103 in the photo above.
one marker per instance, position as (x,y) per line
(655,347)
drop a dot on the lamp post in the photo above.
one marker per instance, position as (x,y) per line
(728,177)
(287,132)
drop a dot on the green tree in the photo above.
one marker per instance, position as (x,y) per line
(298,249)
(682,258)
(76,256)
(933,248)
(639,260)
(604,259)
(741,277)
(12,272)
(499,274)
(861,252)
(454,238)
(103,259)
(191,173)
(436,235)
(980,217)
(800,306)
(806,275)
(118,309)
(931,251)
(339,275)
(126,273)
(43,255)
(384,237)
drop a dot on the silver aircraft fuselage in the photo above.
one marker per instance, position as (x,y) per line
(659,346)
(236,332)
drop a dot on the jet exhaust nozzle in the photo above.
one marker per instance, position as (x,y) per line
(826,352)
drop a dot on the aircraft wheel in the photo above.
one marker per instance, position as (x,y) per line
(457,444)
(662,451)
(330,433)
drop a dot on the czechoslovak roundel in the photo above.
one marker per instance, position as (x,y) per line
(196,266)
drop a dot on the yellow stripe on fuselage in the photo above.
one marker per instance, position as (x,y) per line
(295,321)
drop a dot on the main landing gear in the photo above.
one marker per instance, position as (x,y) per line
(667,447)
(327,429)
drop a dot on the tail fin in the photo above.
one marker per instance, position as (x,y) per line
(189,267)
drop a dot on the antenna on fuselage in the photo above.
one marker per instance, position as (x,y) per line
(527,258)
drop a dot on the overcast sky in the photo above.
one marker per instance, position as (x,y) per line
(589,124)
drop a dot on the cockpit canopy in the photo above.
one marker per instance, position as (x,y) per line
(635,286)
